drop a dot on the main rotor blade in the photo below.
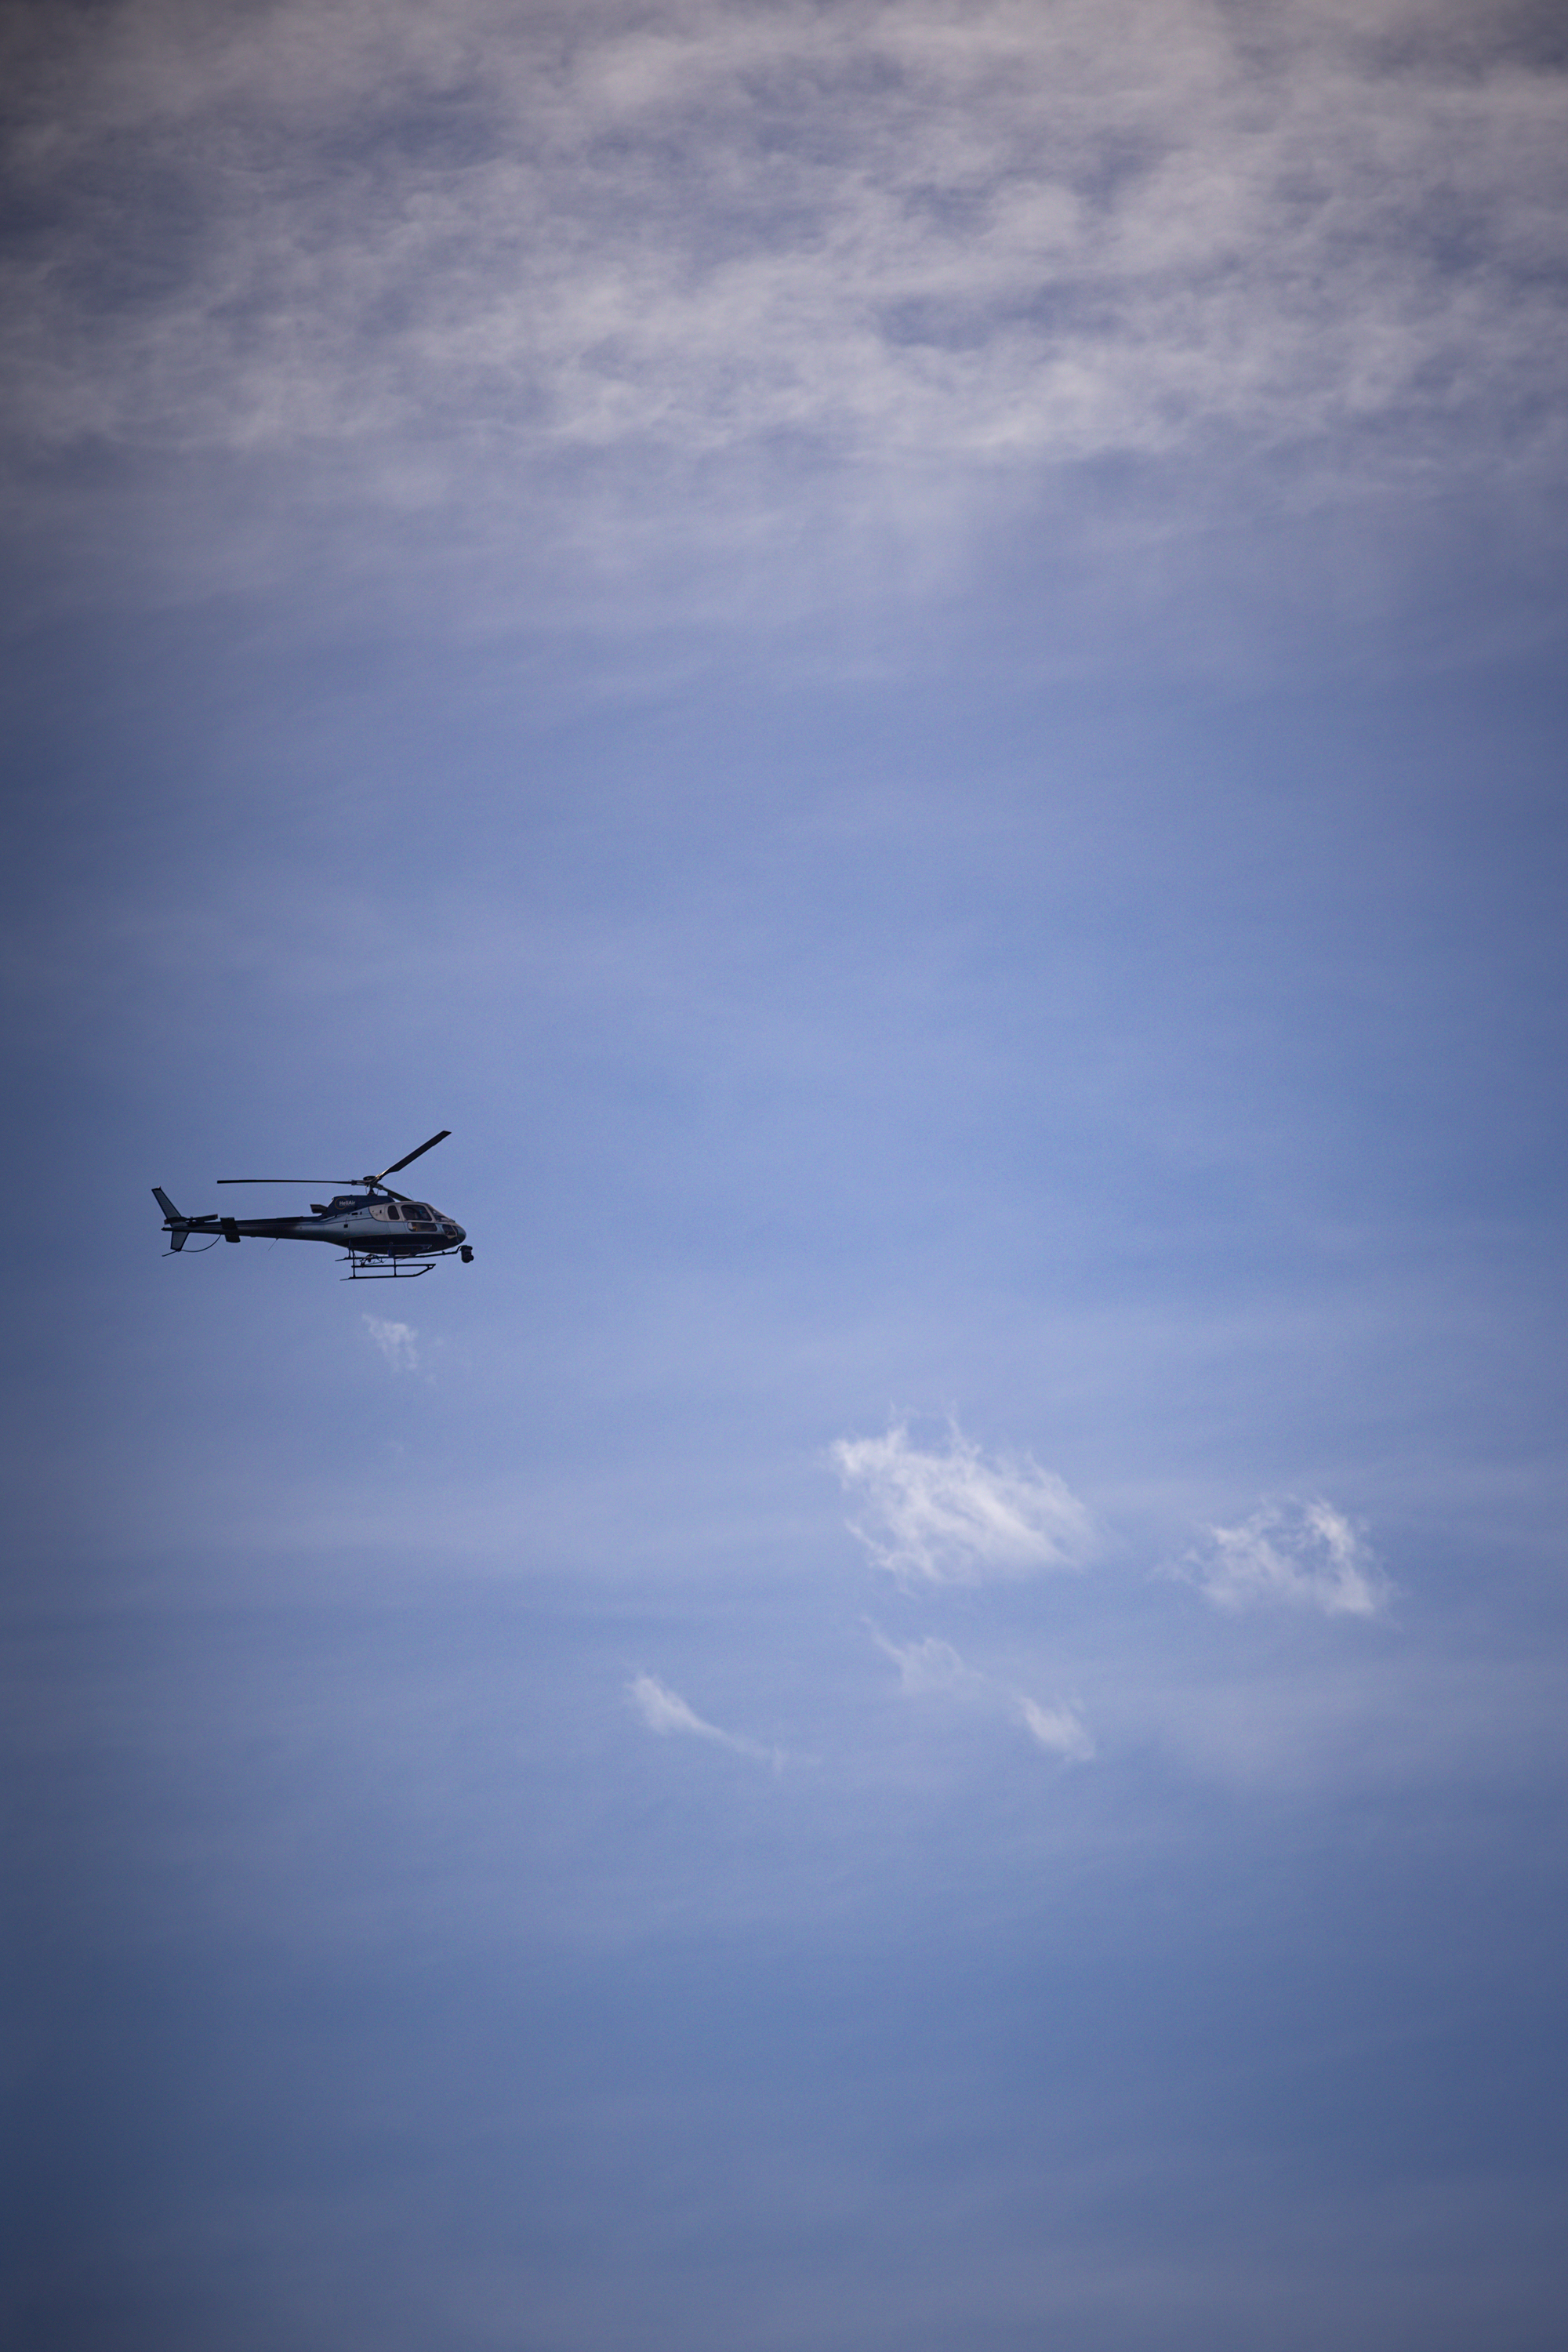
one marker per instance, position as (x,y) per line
(409,1156)
(288,1180)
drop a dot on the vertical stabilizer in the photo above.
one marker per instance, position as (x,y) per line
(179,1228)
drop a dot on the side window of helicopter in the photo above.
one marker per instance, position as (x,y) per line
(392,1213)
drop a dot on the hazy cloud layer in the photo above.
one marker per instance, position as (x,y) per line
(1296,1555)
(947,1514)
(451,256)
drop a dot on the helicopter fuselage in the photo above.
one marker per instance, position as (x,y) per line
(380,1228)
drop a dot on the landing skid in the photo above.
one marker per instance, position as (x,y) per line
(378,1269)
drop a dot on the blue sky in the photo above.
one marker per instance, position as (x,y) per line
(906,659)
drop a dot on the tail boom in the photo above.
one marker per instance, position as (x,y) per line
(180,1228)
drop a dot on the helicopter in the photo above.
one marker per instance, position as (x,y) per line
(388,1235)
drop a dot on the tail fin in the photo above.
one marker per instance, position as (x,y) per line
(179,1228)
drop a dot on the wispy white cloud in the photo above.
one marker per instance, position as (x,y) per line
(1059,1730)
(666,1712)
(931,1666)
(928,1665)
(947,1514)
(1288,1554)
(396,1343)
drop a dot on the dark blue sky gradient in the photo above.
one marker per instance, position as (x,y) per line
(958,857)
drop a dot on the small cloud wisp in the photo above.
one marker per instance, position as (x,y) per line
(934,1667)
(928,1665)
(1290,1555)
(1061,1730)
(666,1712)
(948,1515)
(396,1341)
